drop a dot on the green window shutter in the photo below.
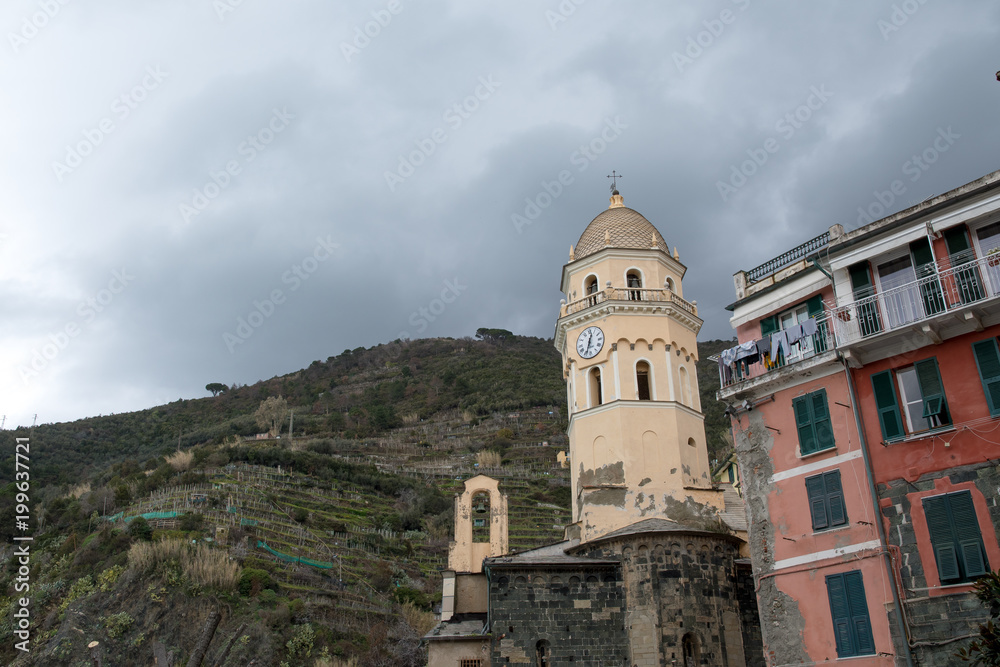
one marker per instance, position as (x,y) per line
(822,428)
(815,305)
(817,502)
(970,543)
(861,280)
(768,325)
(835,498)
(973,557)
(804,425)
(841,611)
(922,255)
(988,360)
(956,240)
(888,407)
(942,538)
(860,621)
(931,389)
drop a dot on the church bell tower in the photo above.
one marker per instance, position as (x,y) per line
(628,342)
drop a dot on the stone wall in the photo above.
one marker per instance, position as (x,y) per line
(682,585)
(578,611)
(935,621)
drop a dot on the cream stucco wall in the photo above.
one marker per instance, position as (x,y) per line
(633,459)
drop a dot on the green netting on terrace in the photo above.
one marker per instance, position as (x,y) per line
(114,517)
(295,559)
(149,516)
(248,522)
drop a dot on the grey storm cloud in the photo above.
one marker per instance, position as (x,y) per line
(225,191)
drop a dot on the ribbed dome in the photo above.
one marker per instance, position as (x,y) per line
(625,228)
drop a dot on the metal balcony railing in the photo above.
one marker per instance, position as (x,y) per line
(799,252)
(807,348)
(946,286)
(625,294)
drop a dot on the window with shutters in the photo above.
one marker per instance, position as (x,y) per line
(826,500)
(987,355)
(955,537)
(812,420)
(852,628)
(914,394)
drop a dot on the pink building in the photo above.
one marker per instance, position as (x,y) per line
(865,398)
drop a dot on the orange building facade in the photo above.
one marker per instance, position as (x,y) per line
(865,403)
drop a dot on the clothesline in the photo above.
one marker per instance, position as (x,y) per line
(770,349)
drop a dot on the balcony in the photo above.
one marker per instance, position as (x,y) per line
(634,295)
(807,348)
(940,288)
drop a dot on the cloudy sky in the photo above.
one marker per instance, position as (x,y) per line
(205,191)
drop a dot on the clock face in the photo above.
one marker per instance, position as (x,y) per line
(590,342)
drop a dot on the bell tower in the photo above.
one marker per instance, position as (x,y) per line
(628,340)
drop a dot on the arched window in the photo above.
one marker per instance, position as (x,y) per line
(596,397)
(669,283)
(642,381)
(685,386)
(481,517)
(590,287)
(543,654)
(633,281)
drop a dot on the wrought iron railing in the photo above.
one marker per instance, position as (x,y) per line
(767,268)
(807,348)
(939,288)
(638,294)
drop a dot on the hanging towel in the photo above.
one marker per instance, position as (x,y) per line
(764,346)
(809,327)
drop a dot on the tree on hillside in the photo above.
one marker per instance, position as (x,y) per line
(271,414)
(216,388)
(493,335)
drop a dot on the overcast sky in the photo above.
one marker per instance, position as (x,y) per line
(169,168)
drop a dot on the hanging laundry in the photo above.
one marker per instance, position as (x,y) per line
(747,352)
(779,345)
(764,346)
(809,327)
(794,334)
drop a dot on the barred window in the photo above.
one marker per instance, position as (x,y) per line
(470,662)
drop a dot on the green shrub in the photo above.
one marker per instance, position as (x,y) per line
(106,580)
(140,529)
(253,581)
(117,624)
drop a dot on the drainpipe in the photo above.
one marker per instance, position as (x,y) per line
(883,542)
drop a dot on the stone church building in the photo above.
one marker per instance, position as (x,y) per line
(652,570)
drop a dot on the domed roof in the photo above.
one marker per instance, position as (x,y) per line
(618,227)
